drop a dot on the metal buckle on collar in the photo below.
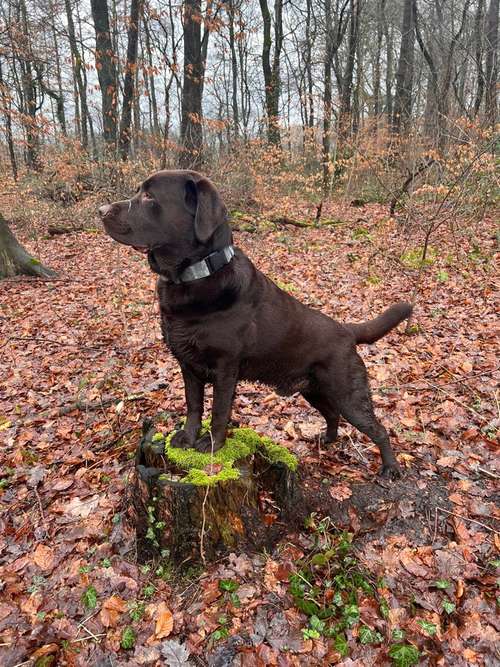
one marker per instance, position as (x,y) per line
(206,266)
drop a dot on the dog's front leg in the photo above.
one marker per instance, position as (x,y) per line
(225,382)
(194,390)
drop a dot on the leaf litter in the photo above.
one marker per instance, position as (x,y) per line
(85,363)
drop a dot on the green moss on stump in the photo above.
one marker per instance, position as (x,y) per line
(241,443)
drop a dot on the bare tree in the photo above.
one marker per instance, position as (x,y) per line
(128,86)
(192,91)
(105,58)
(404,77)
(81,88)
(271,71)
(492,62)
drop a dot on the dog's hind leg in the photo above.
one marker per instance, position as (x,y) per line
(364,419)
(328,408)
(352,394)
(356,407)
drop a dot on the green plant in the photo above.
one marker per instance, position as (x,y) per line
(414,257)
(37,583)
(89,598)
(229,587)
(128,638)
(242,442)
(327,585)
(430,628)
(222,631)
(148,591)
(136,610)
(404,655)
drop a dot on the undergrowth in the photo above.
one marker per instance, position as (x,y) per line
(331,587)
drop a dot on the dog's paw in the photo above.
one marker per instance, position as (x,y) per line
(206,444)
(181,440)
(390,471)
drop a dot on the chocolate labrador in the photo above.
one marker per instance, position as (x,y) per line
(225,321)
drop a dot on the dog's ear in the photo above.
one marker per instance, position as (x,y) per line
(204,202)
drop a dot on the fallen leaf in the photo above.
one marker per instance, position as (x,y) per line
(111,610)
(289,429)
(46,649)
(340,492)
(43,556)
(175,653)
(82,508)
(212,469)
(164,621)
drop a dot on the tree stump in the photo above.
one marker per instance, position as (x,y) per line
(197,506)
(14,259)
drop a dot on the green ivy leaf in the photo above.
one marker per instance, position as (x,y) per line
(309,633)
(228,585)
(316,624)
(307,606)
(235,600)
(341,645)
(448,606)
(351,614)
(384,608)
(404,655)
(89,598)
(368,636)
(442,583)
(430,628)
(398,635)
(128,638)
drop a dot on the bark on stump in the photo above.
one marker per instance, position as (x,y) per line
(15,260)
(194,521)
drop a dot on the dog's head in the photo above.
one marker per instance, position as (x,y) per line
(174,216)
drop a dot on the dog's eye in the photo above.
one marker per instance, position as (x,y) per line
(147,196)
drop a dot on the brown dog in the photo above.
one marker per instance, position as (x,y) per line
(225,321)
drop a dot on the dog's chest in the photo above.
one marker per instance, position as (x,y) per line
(190,344)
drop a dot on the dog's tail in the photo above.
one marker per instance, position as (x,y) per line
(369,332)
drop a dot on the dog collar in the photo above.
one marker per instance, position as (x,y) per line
(205,267)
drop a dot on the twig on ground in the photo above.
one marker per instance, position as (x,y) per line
(466,518)
(463,405)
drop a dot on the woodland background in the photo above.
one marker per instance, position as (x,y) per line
(355,143)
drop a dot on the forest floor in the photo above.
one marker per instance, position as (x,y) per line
(406,571)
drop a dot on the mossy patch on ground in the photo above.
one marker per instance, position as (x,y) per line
(210,469)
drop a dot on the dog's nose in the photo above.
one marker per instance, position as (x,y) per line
(104,210)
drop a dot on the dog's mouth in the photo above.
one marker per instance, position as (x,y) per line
(141,248)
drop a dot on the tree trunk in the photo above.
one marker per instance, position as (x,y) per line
(491,101)
(330,49)
(272,72)
(234,70)
(77,71)
(345,121)
(15,260)
(192,89)
(29,96)
(478,39)
(105,59)
(128,86)
(60,102)
(155,126)
(404,76)
(388,74)
(378,56)
(6,103)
